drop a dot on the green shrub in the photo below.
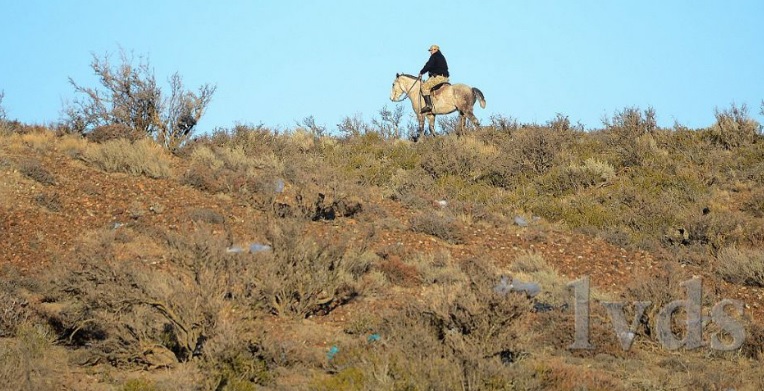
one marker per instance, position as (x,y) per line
(139,385)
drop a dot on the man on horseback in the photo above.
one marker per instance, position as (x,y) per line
(437,70)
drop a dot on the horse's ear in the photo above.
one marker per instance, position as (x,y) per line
(397,75)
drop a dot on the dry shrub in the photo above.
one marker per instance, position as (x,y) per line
(38,138)
(573,178)
(628,135)
(312,202)
(31,362)
(143,157)
(305,276)
(399,273)
(206,215)
(554,373)
(14,308)
(406,184)
(436,268)
(34,170)
(232,170)
(127,312)
(71,145)
(660,288)
(631,123)
(533,150)
(467,157)
(721,229)
(733,128)
(236,360)
(755,205)
(753,347)
(741,266)
(49,201)
(530,266)
(460,336)
(440,225)
(101,134)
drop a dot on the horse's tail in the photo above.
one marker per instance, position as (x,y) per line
(479,95)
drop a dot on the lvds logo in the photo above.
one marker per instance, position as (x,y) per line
(730,327)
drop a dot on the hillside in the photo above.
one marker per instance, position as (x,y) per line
(257,260)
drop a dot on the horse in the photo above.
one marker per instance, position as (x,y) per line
(445,100)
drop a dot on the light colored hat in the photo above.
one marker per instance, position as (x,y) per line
(436,47)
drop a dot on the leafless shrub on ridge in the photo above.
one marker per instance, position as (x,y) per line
(131,97)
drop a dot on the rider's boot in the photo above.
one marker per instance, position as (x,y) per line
(427,104)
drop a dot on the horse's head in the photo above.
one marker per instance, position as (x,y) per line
(397,90)
(403,83)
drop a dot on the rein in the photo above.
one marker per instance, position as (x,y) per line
(406,93)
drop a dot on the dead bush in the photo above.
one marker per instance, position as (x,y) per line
(755,205)
(719,230)
(405,184)
(399,273)
(313,203)
(660,288)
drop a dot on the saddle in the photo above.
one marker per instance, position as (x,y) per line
(436,87)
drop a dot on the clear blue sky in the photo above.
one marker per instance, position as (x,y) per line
(277,62)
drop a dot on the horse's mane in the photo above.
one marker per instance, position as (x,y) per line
(407,75)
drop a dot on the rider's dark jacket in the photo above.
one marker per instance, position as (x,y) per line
(436,65)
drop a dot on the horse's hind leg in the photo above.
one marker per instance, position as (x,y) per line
(462,124)
(474,120)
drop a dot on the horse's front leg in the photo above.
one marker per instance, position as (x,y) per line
(420,130)
(431,124)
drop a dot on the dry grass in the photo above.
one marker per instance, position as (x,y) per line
(742,266)
(142,157)
(31,361)
(440,225)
